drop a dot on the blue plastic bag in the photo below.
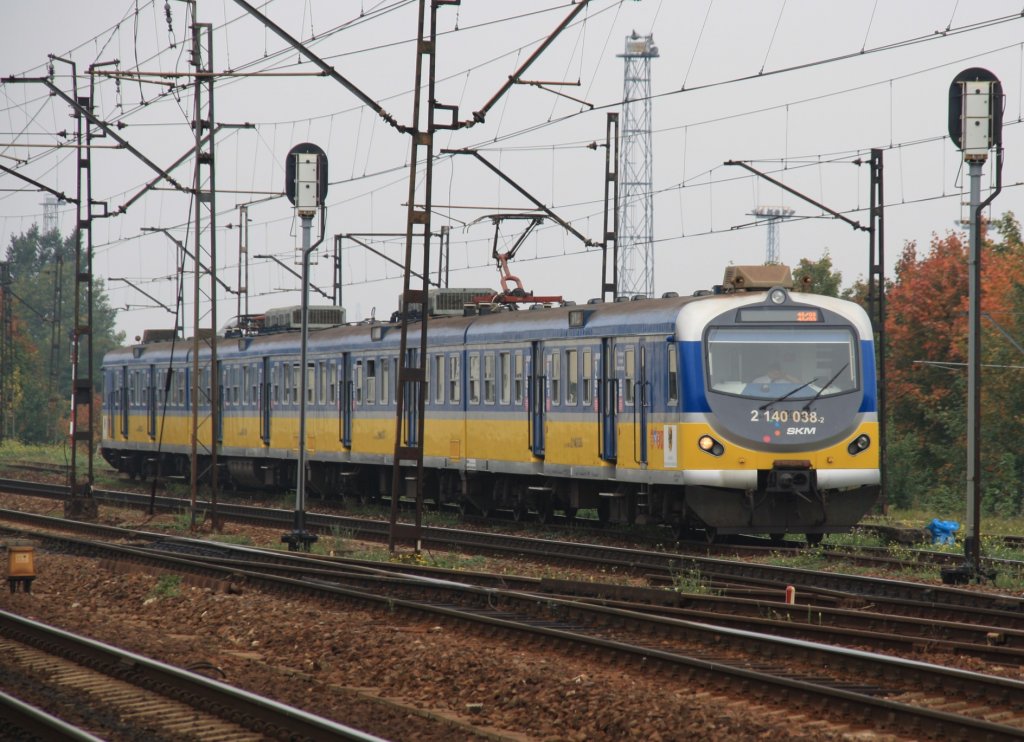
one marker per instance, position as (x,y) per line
(943,531)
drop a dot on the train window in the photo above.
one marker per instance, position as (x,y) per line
(246,371)
(277,383)
(518,385)
(296,381)
(556,378)
(474,378)
(321,385)
(371,380)
(770,361)
(358,386)
(489,378)
(181,389)
(439,379)
(286,385)
(234,385)
(385,379)
(630,373)
(394,377)
(454,379)
(587,374)
(673,374)
(332,374)
(505,369)
(254,382)
(572,376)
(310,383)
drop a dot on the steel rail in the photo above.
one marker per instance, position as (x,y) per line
(176,682)
(554,619)
(30,720)
(660,565)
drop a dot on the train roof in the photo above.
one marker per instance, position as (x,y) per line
(646,316)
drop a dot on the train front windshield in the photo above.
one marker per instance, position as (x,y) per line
(767,362)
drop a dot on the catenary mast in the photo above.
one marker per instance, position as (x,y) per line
(636,204)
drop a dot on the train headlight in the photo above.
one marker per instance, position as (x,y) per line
(709,445)
(777,296)
(859,444)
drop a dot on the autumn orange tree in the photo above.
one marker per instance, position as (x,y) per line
(926,328)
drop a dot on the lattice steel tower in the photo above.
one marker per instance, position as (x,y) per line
(772,215)
(636,203)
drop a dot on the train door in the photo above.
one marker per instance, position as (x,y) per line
(151,402)
(607,399)
(108,404)
(537,398)
(410,405)
(124,401)
(346,400)
(264,400)
(641,403)
(218,414)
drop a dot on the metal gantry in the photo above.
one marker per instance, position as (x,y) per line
(635,242)
(206,379)
(412,361)
(80,503)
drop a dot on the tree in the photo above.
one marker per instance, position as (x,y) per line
(39,263)
(817,277)
(1009,229)
(926,329)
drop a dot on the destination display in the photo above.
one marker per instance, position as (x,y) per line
(779,314)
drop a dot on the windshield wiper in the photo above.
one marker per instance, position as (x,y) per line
(821,391)
(788,394)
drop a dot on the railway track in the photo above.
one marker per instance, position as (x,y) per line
(70,683)
(733,546)
(910,599)
(803,675)
(836,618)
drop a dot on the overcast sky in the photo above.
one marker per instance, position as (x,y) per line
(801,89)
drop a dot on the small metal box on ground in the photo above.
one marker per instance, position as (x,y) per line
(21,568)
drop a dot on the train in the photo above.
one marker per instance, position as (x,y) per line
(746,408)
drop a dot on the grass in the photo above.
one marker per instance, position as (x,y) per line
(15,451)
(691,581)
(334,543)
(238,539)
(167,586)
(182,522)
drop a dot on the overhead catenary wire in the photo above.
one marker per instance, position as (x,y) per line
(510,137)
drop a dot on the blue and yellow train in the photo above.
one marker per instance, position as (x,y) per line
(749,409)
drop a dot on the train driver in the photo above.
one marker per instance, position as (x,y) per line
(775,375)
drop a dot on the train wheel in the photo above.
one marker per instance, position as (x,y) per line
(710,535)
(545,511)
(813,539)
(520,513)
(604,511)
(777,538)
(570,515)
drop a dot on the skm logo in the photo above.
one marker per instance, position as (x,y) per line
(801,431)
